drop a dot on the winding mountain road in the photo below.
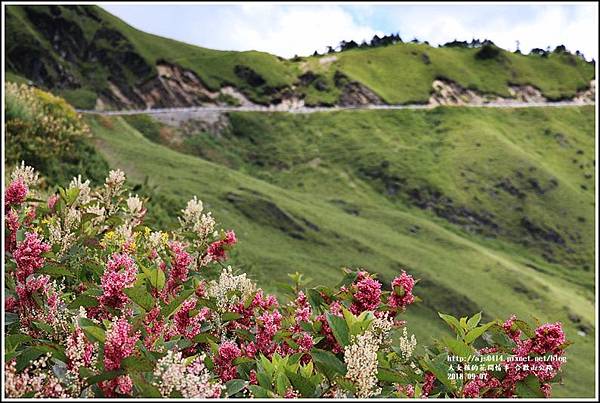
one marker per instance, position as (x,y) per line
(305,109)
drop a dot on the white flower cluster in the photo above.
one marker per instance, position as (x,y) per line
(75,350)
(381,326)
(230,289)
(361,360)
(85,192)
(192,381)
(136,211)
(62,230)
(37,381)
(25,173)
(115,180)
(193,219)
(361,356)
(407,345)
(98,211)
(113,187)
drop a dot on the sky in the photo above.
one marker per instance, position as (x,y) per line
(300,29)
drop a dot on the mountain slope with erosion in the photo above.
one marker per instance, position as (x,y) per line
(95,60)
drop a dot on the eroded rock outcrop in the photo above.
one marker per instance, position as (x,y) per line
(446,92)
(354,93)
(172,87)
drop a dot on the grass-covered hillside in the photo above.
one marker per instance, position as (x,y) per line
(491,209)
(85,53)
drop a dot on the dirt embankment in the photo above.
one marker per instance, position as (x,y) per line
(445,92)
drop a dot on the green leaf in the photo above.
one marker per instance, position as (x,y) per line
(315,299)
(474,321)
(524,327)
(348,279)
(27,356)
(452,322)
(137,364)
(106,376)
(44,327)
(169,309)
(94,333)
(20,235)
(529,387)
(496,336)
(440,368)
(234,386)
(10,318)
(12,341)
(70,195)
(85,372)
(227,316)
(458,347)
(57,271)
(140,296)
(146,389)
(301,384)
(55,350)
(346,384)
(83,300)
(478,331)
(156,277)
(263,380)
(387,375)
(282,384)
(339,328)
(328,363)
(260,392)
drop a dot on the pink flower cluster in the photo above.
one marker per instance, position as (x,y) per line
(400,299)
(179,267)
(120,273)
(189,326)
(474,387)
(28,255)
(154,327)
(428,384)
(228,351)
(15,193)
(28,308)
(303,310)
(407,390)
(548,339)
(367,295)
(268,324)
(216,250)
(52,200)
(119,344)
(12,225)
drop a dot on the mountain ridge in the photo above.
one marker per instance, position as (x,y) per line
(96,60)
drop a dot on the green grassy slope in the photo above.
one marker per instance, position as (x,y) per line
(293,189)
(92,46)
(118,52)
(451,163)
(403,73)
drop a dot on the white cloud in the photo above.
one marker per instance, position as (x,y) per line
(290,30)
(575,26)
(287,30)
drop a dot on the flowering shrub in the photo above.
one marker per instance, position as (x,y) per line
(46,131)
(100,305)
